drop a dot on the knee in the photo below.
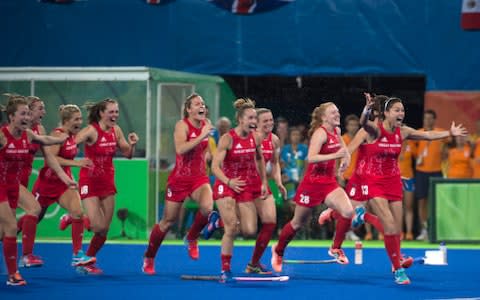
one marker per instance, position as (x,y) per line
(347,213)
(35,209)
(205,211)
(76,213)
(10,229)
(165,224)
(98,227)
(230,230)
(249,232)
(390,227)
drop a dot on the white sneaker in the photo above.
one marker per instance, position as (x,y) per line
(423,236)
(351,236)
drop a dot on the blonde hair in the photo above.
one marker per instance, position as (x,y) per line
(317,114)
(32,101)
(261,111)
(66,112)
(242,104)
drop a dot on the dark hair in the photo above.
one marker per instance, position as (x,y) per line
(387,104)
(94,109)
(431,112)
(188,103)
(351,117)
(281,120)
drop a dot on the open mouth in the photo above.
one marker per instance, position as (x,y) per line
(252,126)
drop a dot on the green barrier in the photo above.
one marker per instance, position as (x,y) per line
(132,181)
(454,210)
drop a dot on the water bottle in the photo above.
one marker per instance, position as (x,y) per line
(443,249)
(358,253)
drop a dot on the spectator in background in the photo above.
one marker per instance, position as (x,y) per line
(292,160)
(475,142)
(476,152)
(428,165)
(405,162)
(303,132)
(474,136)
(282,130)
(222,126)
(458,158)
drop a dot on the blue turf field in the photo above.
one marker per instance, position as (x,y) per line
(123,278)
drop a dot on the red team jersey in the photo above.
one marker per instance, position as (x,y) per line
(98,181)
(27,171)
(319,179)
(240,162)
(49,187)
(267,150)
(13,160)
(190,171)
(379,166)
(357,185)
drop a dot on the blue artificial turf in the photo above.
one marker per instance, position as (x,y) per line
(123,278)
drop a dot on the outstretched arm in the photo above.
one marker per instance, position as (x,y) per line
(46,140)
(413,134)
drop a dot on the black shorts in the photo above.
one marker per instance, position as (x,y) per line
(422,183)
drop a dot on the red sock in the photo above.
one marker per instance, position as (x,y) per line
(20,223)
(86,223)
(393,249)
(29,233)
(154,242)
(77,235)
(96,244)
(264,236)
(341,228)
(374,220)
(287,234)
(226,259)
(10,253)
(197,226)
